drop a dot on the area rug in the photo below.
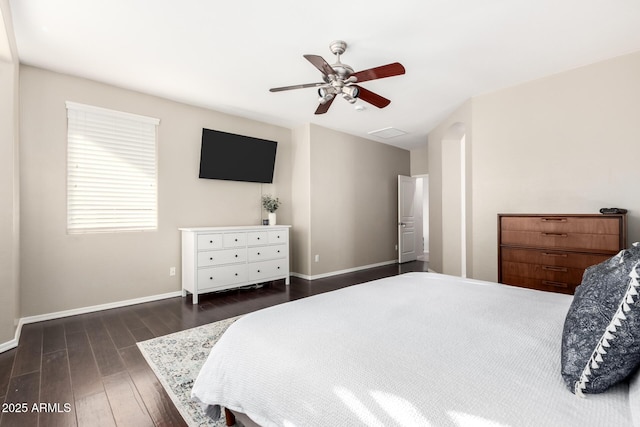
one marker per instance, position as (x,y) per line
(176,360)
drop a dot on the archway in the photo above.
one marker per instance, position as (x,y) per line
(454,194)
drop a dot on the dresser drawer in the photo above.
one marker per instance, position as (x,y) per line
(257,238)
(235,240)
(540,284)
(551,258)
(209,241)
(220,277)
(279,236)
(220,257)
(562,224)
(267,252)
(551,273)
(609,243)
(264,270)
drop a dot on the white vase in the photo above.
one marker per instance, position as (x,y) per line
(272,218)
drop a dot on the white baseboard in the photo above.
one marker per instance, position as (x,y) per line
(9,344)
(83,310)
(348,270)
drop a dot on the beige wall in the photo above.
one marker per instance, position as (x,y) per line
(61,271)
(331,184)
(567,143)
(9,178)
(420,161)
(354,200)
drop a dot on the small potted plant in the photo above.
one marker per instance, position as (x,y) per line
(271,205)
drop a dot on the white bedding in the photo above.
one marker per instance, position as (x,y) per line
(634,398)
(419,349)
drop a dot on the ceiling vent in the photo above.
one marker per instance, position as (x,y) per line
(387,133)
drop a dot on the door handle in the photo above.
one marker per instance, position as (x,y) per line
(402,224)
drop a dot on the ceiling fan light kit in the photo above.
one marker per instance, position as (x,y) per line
(340,79)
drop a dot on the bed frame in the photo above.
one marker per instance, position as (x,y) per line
(231,417)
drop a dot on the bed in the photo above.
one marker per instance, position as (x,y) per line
(418,349)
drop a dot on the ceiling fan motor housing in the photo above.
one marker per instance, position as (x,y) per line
(338,47)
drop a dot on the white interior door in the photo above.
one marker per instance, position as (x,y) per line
(406,219)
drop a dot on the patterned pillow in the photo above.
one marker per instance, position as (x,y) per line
(601,337)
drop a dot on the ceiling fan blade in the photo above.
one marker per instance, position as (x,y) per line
(320,64)
(381,72)
(323,108)
(302,86)
(372,98)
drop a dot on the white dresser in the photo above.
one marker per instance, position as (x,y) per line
(217,258)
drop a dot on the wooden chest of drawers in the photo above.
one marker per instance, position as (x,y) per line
(551,252)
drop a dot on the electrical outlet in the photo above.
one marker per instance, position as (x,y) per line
(317,258)
(172,271)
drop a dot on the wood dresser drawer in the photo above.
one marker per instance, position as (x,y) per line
(563,277)
(540,284)
(551,257)
(563,224)
(568,240)
(551,252)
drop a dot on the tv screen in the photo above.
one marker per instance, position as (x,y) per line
(236,158)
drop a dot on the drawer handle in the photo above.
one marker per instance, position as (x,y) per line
(553,219)
(210,241)
(236,255)
(550,268)
(278,267)
(258,271)
(278,250)
(258,238)
(210,258)
(210,278)
(236,274)
(235,240)
(555,234)
(554,255)
(258,253)
(556,284)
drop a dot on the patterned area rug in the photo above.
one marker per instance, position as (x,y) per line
(176,360)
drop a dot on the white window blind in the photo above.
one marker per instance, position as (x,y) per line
(111,170)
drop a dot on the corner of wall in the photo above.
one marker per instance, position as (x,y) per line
(9,180)
(301,199)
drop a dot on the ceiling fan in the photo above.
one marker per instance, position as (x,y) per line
(340,79)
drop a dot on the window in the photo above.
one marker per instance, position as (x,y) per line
(111,170)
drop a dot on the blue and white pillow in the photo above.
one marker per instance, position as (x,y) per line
(601,337)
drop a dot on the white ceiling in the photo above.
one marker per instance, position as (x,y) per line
(225,55)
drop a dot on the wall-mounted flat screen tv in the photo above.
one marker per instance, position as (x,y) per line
(236,158)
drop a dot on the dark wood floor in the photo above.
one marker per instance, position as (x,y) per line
(86,370)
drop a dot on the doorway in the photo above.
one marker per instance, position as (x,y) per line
(413,218)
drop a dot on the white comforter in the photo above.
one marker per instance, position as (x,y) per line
(419,349)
